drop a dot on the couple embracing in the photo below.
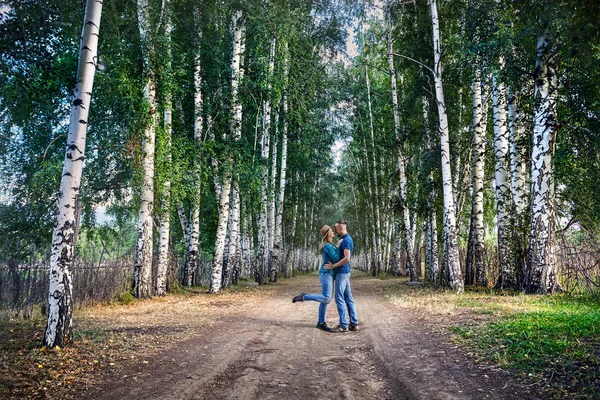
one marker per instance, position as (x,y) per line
(335,270)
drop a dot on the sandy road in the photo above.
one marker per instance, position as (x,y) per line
(272,350)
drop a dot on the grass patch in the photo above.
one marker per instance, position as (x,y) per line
(551,340)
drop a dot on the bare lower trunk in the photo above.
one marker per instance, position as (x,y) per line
(278,242)
(474,269)
(542,251)
(450,240)
(508,272)
(263,234)
(60,302)
(519,190)
(165,215)
(193,228)
(143,253)
(273,268)
(218,254)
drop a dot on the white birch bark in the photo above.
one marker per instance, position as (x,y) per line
(278,242)
(263,233)
(226,189)
(475,249)
(143,252)
(373,189)
(542,251)
(450,240)
(273,268)
(165,217)
(217,265)
(507,277)
(237,74)
(517,155)
(518,181)
(60,302)
(193,228)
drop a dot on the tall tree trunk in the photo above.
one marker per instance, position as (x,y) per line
(263,234)
(165,206)
(278,243)
(508,273)
(60,302)
(193,233)
(226,189)
(518,182)
(271,219)
(373,183)
(542,250)
(474,269)
(143,252)
(450,240)
(237,74)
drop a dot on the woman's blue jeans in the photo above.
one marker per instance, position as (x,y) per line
(325,297)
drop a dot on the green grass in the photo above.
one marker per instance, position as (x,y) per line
(553,341)
(558,331)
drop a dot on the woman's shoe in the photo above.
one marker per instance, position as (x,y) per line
(299,297)
(323,326)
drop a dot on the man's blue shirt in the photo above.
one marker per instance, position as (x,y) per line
(347,243)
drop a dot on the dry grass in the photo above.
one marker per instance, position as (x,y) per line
(107,338)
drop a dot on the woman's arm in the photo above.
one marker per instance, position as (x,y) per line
(343,261)
(332,254)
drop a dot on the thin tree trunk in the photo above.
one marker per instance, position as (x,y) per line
(60,302)
(263,234)
(508,273)
(518,182)
(450,240)
(165,216)
(474,269)
(542,250)
(278,244)
(143,252)
(274,150)
(193,233)
(225,191)
(237,69)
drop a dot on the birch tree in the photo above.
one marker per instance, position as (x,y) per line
(450,240)
(193,228)
(263,233)
(408,232)
(518,181)
(542,250)
(474,270)
(225,193)
(278,242)
(165,214)
(143,252)
(508,271)
(60,301)
(236,129)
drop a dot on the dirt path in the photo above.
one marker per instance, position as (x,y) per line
(272,350)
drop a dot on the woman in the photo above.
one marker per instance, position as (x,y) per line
(330,254)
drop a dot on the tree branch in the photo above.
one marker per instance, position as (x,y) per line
(415,61)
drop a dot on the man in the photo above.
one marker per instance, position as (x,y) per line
(343,294)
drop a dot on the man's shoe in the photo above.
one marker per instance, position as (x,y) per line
(340,329)
(323,326)
(353,327)
(299,297)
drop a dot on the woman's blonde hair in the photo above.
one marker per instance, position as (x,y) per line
(325,237)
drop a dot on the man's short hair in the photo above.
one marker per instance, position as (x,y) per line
(341,221)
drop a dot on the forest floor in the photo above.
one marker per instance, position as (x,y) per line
(253,343)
